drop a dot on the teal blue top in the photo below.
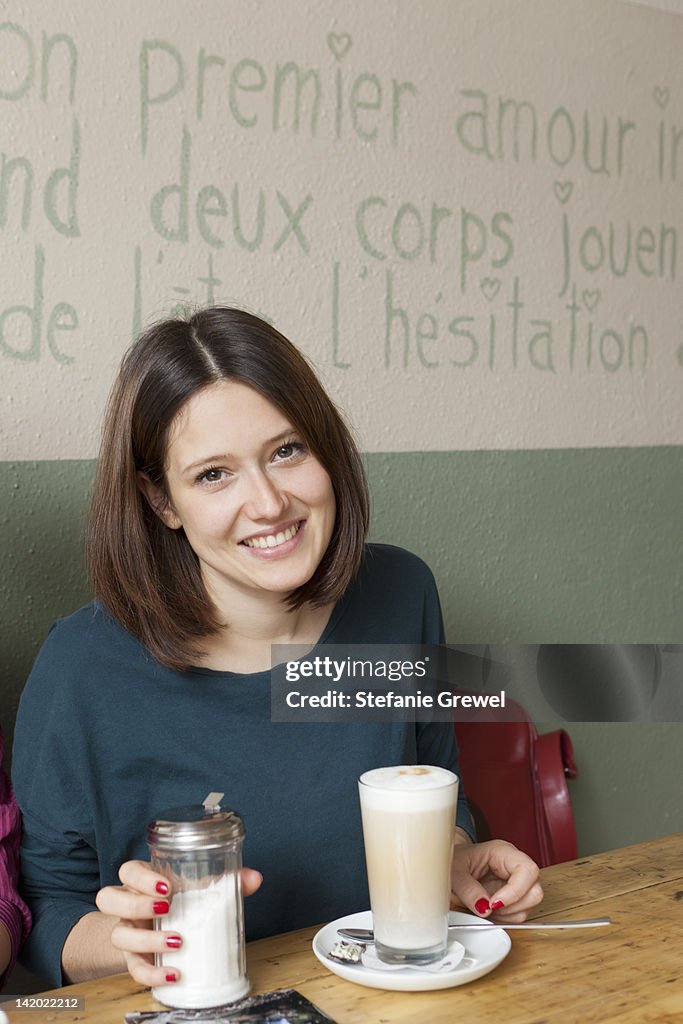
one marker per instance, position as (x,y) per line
(106,738)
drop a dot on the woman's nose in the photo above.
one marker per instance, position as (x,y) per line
(264,499)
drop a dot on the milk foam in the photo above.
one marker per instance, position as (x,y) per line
(411,788)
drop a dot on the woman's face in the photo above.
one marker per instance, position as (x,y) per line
(256,506)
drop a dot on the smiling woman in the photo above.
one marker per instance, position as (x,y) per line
(229,513)
(258,516)
(218,434)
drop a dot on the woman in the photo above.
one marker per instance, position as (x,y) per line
(15,920)
(229,513)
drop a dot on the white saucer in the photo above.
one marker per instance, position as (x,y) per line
(484,950)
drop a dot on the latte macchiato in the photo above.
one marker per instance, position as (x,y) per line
(408,816)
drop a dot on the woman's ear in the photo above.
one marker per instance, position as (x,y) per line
(158,502)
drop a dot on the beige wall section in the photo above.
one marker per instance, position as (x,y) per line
(475,212)
(674,6)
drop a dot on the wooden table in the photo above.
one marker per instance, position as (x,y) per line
(630,972)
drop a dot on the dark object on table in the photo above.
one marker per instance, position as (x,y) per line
(285,1006)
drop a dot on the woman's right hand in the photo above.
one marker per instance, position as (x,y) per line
(144,896)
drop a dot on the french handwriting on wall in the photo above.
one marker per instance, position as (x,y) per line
(471,221)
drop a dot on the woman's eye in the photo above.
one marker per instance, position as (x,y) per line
(289,450)
(211,476)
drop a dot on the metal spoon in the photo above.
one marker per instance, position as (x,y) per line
(367,935)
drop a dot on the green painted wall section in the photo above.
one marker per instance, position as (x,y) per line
(629,784)
(41,561)
(545,546)
(527,547)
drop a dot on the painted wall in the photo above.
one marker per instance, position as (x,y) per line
(475,208)
(472,221)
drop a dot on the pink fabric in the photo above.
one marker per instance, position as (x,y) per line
(14,913)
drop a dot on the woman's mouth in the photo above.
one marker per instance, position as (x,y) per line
(273,540)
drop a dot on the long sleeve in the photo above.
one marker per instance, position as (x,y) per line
(395,600)
(59,866)
(436,742)
(14,913)
(436,745)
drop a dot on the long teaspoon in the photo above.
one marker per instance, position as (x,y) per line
(367,935)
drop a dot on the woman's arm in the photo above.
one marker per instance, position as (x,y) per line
(88,951)
(15,920)
(60,876)
(13,925)
(5,948)
(51,772)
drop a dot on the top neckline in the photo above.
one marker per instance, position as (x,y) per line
(338,613)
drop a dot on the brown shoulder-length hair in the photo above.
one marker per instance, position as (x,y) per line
(146,574)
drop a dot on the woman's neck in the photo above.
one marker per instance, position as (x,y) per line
(243,645)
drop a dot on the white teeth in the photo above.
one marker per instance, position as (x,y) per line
(272,540)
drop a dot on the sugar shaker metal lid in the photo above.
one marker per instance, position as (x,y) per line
(185,829)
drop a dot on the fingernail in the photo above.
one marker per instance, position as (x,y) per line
(497,904)
(171,977)
(161,907)
(162,888)
(482,906)
(174,941)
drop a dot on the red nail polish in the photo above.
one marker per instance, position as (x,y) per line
(174,941)
(497,904)
(171,977)
(162,888)
(161,907)
(482,906)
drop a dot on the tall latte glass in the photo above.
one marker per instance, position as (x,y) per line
(408,816)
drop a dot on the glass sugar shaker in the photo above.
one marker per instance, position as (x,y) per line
(199,850)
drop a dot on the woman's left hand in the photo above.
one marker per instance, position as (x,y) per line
(494,879)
